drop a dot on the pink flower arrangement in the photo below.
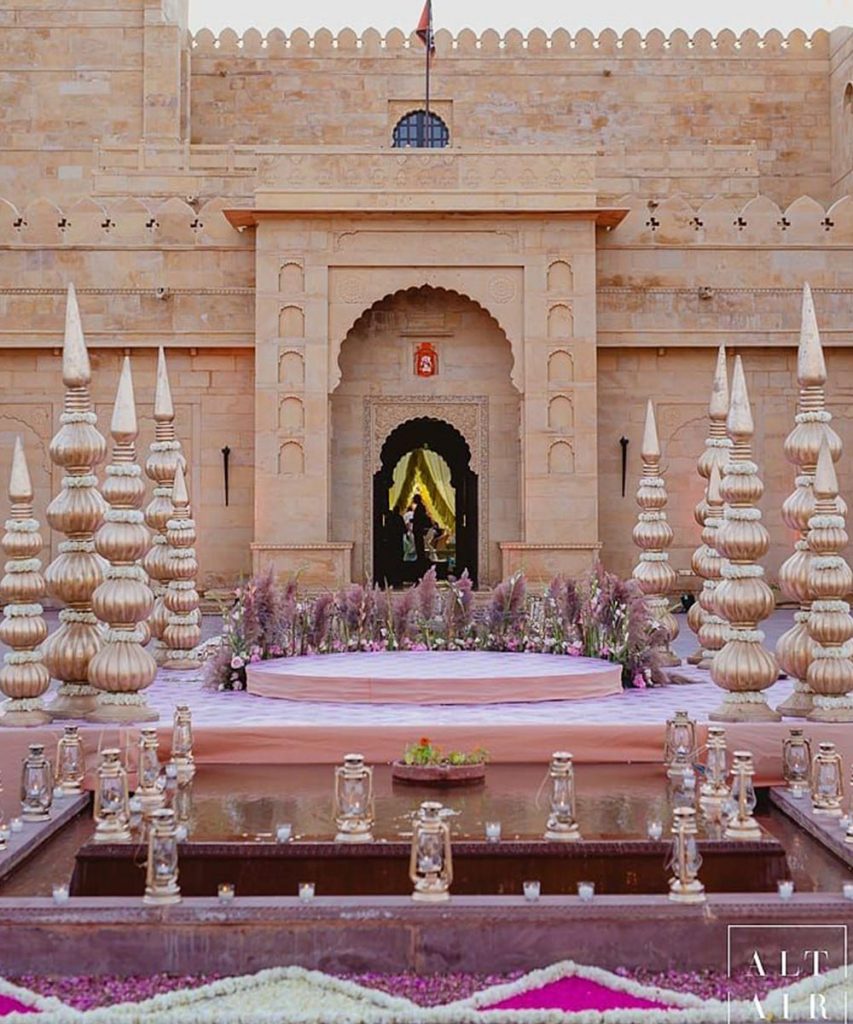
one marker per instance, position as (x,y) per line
(600,616)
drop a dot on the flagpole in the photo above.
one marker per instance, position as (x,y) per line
(428,49)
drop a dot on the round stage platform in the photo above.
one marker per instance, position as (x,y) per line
(434,677)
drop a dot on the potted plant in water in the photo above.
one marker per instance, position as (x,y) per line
(425,764)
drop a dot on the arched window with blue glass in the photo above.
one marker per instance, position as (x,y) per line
(417,128)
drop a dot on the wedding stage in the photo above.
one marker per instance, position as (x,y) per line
(240,728)
(434,677)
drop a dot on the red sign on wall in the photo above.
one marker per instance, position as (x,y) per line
(426,360)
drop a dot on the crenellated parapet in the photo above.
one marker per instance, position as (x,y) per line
(719,221)
(121,223)
(631,44)
(723,221)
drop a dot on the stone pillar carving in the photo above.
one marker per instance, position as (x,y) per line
(716,452)
(122,668)
(707,561)
(23,676)
(794,648)
(162,464)
(653,535)
(77,512)
(743,667)
(830,580)
(183,627)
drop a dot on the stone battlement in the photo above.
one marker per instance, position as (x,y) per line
(537,43)
(719,221)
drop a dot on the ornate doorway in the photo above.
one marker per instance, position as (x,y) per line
(425,504)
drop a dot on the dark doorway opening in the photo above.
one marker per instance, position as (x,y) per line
(424,504)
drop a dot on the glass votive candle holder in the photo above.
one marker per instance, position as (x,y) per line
(59,793)
(306,891)
(16,825)
(654,829)
(532,890)
(847,890)
(225,892)
(60,894)
(586,890)
(181,833)
(785,888)
(493,831)
(284,833)
(844,822)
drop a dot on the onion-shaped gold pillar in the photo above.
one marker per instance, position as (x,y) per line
(183,627)
(716,453)
(23,676)
(744,667)
(162,463)
(712,632)
(122,668)
(653,535)
(77,512)
(812,425)
(830,580)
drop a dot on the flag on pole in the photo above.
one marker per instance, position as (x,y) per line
(424,30)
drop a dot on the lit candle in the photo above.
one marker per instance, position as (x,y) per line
(655,830)
(306,891)
(60,894)
(181,833)
(532,889)
(493,831)
(16,825)
(284,832)
(225,892)
(586,890)
(847,889)
(785,889)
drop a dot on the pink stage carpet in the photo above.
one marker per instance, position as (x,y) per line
(239,728)
(434,677)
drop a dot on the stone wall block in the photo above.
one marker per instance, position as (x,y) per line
(762,222)
(717,217)
(9,219)
(174,222)
(840,214)
(804,219)
(675,219)
(86,220)
(41,223)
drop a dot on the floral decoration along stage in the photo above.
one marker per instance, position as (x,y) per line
(566,993)
(600,616)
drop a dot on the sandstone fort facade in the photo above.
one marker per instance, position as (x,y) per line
(609,210)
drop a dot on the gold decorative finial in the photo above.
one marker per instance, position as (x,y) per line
(76,371)
(740,422)
(180,496)
(20,485)
(718,407)
(825,478)
(124,426)
(811,367)
(651,444)
(163,408)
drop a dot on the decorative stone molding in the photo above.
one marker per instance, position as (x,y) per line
(467,414)
(125,222)
(721,221)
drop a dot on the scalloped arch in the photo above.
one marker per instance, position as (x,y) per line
(337,341)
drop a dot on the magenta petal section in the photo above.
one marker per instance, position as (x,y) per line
(8,1005)
(575,994)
